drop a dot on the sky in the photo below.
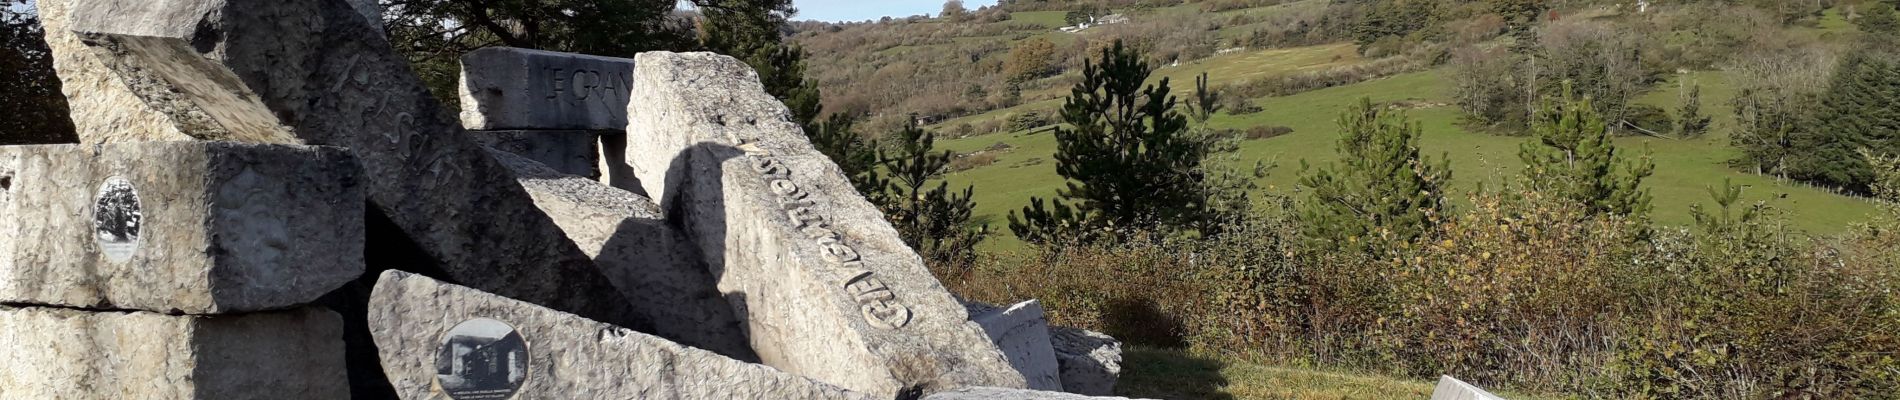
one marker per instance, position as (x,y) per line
(859,10)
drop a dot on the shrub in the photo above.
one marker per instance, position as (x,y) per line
(1267,132)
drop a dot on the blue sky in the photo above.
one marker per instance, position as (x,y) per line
(859,10)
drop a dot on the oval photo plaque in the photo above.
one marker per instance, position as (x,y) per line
(116,219)
(482,359)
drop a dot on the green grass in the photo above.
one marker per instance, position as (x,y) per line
(1174,374)
(1048,19)
(1685,168)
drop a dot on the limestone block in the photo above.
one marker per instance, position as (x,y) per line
(1022,333)
(320,69)
(569,152)
(991,393)
(437,339)
(1450,388)
(507,88)
(1091,362)
(56,353)
(372,11)
(193,227)
(824,286)
(645,257)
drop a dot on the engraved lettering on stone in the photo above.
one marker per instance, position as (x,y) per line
(117,219)
(877,303)
(481,359)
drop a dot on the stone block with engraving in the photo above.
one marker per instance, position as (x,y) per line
(56,353)
(1450,388)
(1091,362)
(193,227)
(643,255)
(438,339)
(1022,333)
(318,68)
(991,393)
(507,88)
(568,152)
(823,285)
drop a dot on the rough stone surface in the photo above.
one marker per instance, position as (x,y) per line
(1091,362)
(319,67)
(217,227)
(644,256)
(372,11)
(1450,388)
(103,108)
(824,286)
(614,169)
(991,393)
(508,88)
(568,357)
(55,353)
(569,152)
(1022,333)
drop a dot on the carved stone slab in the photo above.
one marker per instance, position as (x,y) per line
(439,340)
(54,353)
(194,227)
(568,152)
(320,68)
(823,284)
(1450,388)
(1022,333)
(644,256)
(506,88)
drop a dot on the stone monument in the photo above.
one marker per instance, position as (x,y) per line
(550,107)
(823,285)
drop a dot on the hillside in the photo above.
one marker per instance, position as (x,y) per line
(949,72)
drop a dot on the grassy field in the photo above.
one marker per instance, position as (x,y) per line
(1684,168)
(1174,374)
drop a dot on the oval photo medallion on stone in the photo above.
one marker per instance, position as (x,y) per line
(116,219)
(482,359)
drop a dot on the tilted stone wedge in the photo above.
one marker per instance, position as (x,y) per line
(644,256)
(1022,333)
(438,339)
(1091,362)
(55,353)
(824,286)
(319,67)
(193,227)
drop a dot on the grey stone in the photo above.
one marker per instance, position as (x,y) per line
(569,152)
(508,88)
(372,11)
(644,256)
(614,168)
(318,67)
(193,227)
(824,286)
(1450,388)
(992,393)
(1022,333)
(55,353)
(1091,362)
(566,357)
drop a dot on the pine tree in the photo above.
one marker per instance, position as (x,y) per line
(1381,191)
(1878,18)
(1573,159)
(855,155)
(1689,119)
(1857,112)
(752,30)
(934,221)
(1131,162)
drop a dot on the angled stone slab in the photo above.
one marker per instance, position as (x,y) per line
(1090,362)
(193,227)
(320,69)
(992,393)
(505,88)
(55,353)
(1450,388)
(823,284)
(1022,333)
(568,152)
(645,257)
(438,339)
